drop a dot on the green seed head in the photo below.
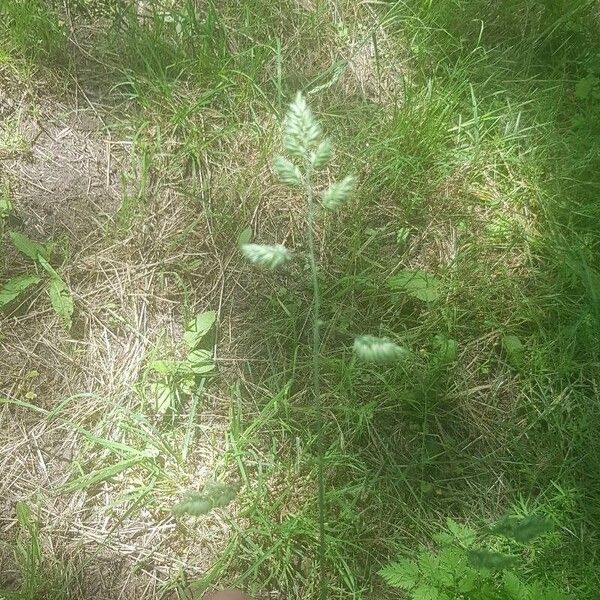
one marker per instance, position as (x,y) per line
(339,193)
(269,257)
(287,171)
(378,350)
(301,130)
(322,155)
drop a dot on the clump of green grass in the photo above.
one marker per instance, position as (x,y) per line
(34,29)
(37,578)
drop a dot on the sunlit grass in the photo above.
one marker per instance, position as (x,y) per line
(478,167)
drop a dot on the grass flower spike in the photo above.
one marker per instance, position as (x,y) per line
(287,171)
(269,257)
(302,139)
(301,129)
(322,155)
(378,350)
(339,193)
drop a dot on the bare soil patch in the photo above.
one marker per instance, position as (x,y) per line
(64,170)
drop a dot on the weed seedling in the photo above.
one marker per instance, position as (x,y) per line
(60,295)
(461,568)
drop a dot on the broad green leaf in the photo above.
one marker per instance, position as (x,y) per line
(200,361)
(187,382)
(418,284)
(61,300)
(47,267)
(164,367)
(164,397)
(245,237)
(198,328)
(16,286)
(5,206)
(515,351)
(447,348)
(29,247)
(402,574)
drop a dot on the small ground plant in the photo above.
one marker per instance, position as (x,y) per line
(37,581)
(463,565)
(174,380)
(60,295)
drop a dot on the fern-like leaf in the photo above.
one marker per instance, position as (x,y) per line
(429,592)
(402,574)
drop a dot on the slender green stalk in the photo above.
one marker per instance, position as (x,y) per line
(316,374)
(303,140)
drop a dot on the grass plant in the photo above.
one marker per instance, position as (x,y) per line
(470,243)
